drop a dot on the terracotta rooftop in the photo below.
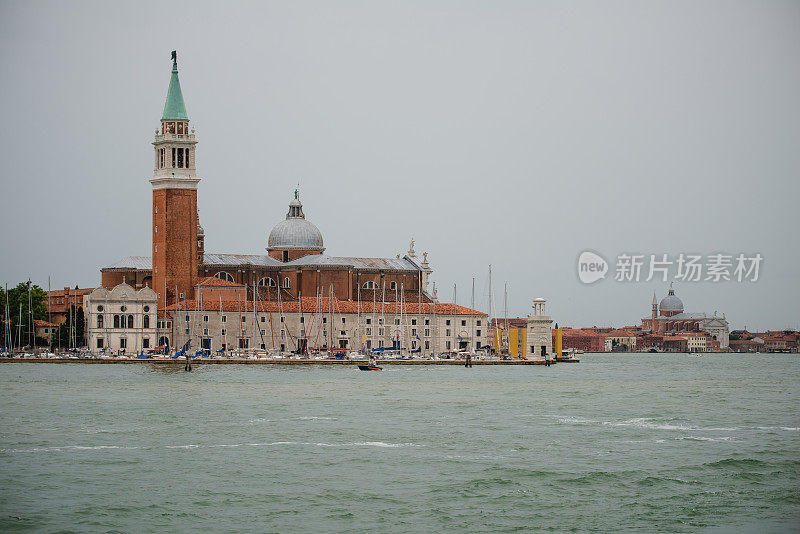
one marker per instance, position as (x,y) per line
(213,281)
(313,305)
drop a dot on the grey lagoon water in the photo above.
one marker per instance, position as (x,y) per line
(655,443)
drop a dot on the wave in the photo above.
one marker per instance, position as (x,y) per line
(641,422)
(67,448)
(702,438)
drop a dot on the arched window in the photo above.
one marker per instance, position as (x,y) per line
(393,286)
(267,282)
(286,283)
(116,321)
(99,321)
(222,275)
(130,321)
(146,322)
(163,341)
(370,285)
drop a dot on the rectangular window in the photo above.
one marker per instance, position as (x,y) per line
(478,333)
(369,321)
(173,157)
(244,343)
(123,343)
(413,331)
(224,332)
(427,322)
(244,318)
(369,331)
(282,318)
(180,158)
(99,342)
(263,318)
(427,345)
(447,345)
(205,331)
(188,151)
(343,320)
(479,323)
(380,331)
(343,333)
(413,321)
(205,318)
(283,334)
(397,321)
(463,322)
(427,332)
(447,322)
(146,343)
(302,320)
(324,320)
(224,319)
(447,332)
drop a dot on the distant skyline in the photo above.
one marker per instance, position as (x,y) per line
(517,134)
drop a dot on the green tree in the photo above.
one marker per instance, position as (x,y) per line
(21,326)
(63,337)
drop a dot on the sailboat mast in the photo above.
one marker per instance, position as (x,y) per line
(6,327)
(49,316)
(472,307)
(30,317)
(435,326)
(455,309)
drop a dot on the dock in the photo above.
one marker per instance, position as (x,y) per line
(272,361)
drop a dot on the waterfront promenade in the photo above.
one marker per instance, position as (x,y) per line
(273,361)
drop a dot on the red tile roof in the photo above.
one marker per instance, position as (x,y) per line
(213,281)
(313,305)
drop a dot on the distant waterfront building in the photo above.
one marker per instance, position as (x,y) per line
(294,272)
(321,324)
(523,337)
(668,318)
(59,301)
(122,320)
(540,333)
(45,330)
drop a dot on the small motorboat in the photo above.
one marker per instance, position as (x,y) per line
(370,368)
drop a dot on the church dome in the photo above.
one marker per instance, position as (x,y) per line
(671,304)
(295,233)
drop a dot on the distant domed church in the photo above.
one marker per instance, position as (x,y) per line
(668,317)
(294,278)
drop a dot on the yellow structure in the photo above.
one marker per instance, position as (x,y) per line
(557,348)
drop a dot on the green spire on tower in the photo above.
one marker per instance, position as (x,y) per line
(174,108)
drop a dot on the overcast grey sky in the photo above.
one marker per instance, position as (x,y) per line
(511,133)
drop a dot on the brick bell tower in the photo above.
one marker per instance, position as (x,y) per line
(175,223)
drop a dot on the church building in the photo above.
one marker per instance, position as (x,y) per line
(668,319)
(294,274)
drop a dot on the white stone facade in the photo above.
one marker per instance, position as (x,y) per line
(718,328)
(540,333)
(275,332)
(121,320)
